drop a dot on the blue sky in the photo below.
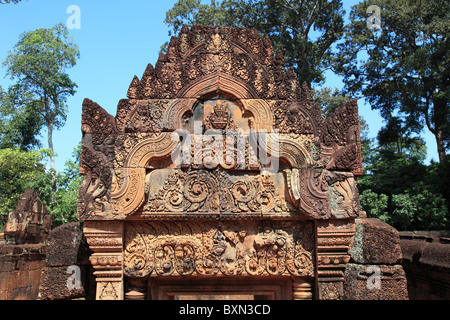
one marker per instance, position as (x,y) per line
(117,40)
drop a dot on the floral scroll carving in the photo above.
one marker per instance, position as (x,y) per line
(217,192)
(212,248)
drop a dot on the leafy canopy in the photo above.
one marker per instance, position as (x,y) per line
(402,70)
(303,31)
(38,64)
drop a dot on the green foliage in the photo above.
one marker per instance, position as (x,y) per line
(303,31)
(62,201)
(403,69)
(416,209)
(38,63)
(400,190)
(193,12)
(375,204)
(18,171)
(398,140)
(9,1)
(329,100)
(19,127)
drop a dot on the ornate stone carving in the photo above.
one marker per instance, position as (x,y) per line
(202,51)
(29,222)
(182,169)
(147,116)
(219,248)
(341,139)
(106,241)
(216,192)
(220,118)
(302,289)
(334,238)
(344,199)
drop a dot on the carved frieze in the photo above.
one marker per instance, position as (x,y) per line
(196,192)
(219,248)
(340,138)
(227,79)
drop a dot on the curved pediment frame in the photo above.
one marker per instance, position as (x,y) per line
(128,198)
(146,214)
(201,64)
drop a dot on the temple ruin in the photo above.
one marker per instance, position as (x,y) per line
(219,176)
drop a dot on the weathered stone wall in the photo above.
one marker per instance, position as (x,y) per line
(29,222)
(67,272)
(20,271)
(426,261)
(375,271)
(22,248)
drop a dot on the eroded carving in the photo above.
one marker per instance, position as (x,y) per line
(212,248)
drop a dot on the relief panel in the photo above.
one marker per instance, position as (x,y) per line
(213,248)
(187,192)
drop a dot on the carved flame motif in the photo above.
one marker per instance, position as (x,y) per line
(220,118)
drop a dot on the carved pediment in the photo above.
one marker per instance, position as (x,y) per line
(219,108)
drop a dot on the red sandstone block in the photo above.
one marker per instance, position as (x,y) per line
(4,276)
(22,294)
(375,242)
(22,279)
(12,280)
(6,265)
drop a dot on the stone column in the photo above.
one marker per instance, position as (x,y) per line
(334,238)
(302,289)
(105,239)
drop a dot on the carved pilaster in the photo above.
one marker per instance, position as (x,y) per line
(334,238)
(135,288)
(302,289)
(105,239)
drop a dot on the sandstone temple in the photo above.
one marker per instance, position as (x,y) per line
(219,176)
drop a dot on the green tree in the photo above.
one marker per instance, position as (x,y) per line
(374,204)
(19,127)
(304,31)
(403,69)
(329,99)
(18,171)
(399,188)
(9,1)
(38,63)
(62,200)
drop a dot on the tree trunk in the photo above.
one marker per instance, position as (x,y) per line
(50,145)
(440,146)
(52,156)
(440,117)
